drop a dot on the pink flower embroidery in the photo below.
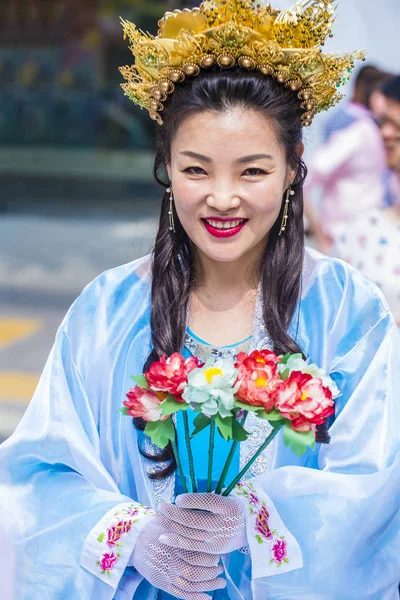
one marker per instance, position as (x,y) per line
(113,536)
(278,550)
(125,526)
(253,499)
(108,560)
(262,526)
(114,533)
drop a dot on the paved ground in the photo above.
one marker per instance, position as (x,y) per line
(45,261)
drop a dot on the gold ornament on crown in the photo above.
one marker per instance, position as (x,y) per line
(286,45)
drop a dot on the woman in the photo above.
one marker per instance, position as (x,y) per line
(372,243)
(228,272)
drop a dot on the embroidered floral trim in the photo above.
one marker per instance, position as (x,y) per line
(263,533)
(110,539)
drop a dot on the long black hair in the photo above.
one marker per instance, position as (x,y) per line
(280,265)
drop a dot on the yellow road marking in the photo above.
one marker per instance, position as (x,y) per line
(17,386)
(12,329)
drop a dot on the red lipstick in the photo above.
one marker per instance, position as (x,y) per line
(225,232)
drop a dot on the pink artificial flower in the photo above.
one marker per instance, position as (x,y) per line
(259,356)
(304,400)
(262,525)
(258,377)
(171,374)
(145,404)
(107,561)
(278,550)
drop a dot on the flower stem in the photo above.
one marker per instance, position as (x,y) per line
(179,465)
(269,439)
(228,462)
(189,451)
(210,455)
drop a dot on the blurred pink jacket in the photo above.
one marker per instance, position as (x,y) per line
(349,170)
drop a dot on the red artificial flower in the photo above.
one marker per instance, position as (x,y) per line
(259,356)
(145,404)
(171,374)
(304,400)
(259,378)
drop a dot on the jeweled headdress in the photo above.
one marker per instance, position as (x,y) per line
(284,44)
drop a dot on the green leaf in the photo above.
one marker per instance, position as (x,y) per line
(101,537)
(239,404)
(224,426)
(286,560)
(278,424)
(259,539)
(274,415)
(298,440)
(239,434)
(160,432)
(123,410)
(141,381)
(200,423)
(170,406)
(285,374)
(285,358)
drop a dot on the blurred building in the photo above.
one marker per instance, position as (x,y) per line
(59,68)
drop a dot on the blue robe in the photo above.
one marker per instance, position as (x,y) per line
(73,457)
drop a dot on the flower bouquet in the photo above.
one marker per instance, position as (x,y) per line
(287,391)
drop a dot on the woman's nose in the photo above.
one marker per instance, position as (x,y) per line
(223,199)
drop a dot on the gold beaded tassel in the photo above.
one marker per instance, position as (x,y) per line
(171,208)
(289,193)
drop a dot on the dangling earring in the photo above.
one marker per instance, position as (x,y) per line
(171,208)
(289,192)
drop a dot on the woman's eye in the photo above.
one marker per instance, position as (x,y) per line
(254,172)
(195,171)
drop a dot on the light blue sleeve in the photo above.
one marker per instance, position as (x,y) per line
(344,511)
(54,487)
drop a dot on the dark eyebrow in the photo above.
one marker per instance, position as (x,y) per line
(252,157)
(195,155)
(242,160)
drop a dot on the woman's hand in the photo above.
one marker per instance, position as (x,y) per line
(204,522)
(185,574)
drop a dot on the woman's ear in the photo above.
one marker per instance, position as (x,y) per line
(169,171)
(291,176)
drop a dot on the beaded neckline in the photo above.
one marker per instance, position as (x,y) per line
(205,351)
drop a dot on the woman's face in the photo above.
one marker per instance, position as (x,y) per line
(229,175)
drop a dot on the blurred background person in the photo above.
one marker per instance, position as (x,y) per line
(372,242)
(348,169)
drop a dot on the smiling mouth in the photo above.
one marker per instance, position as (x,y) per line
(223,225)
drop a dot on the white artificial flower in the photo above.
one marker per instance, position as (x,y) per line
(213,387)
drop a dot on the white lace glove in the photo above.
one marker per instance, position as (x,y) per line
(182,573)
(204,523)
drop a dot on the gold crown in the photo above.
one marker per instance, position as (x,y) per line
(284,44)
